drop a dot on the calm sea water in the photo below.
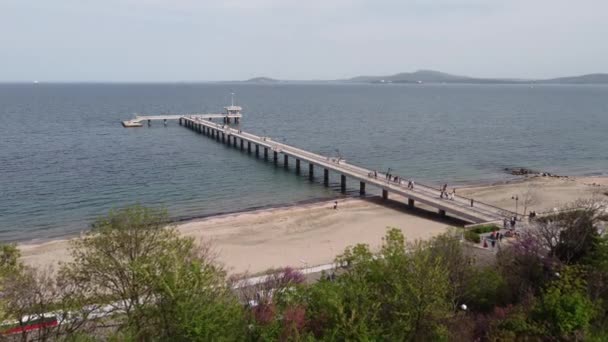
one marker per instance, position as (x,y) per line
(65,159)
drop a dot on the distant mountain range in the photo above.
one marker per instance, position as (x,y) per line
(431,76)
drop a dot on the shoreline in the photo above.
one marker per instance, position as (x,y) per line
(351,194)
(310,232)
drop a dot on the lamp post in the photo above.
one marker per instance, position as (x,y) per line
(516,198)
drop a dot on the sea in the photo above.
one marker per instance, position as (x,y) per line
(65,159)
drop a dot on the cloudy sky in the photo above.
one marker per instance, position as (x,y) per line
(200,40)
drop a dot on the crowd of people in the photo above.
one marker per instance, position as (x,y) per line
(443,192)
(393,178)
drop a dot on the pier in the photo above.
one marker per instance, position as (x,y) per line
(140,119)
(463,208)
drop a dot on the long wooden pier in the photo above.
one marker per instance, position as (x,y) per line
(461,207)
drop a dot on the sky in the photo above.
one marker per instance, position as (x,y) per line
(200,40)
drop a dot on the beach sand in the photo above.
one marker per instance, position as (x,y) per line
(313,234)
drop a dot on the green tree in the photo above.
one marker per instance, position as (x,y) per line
(485,289)
(564,310)
(143,271)
(457,262)
(398,294)
(194,302)
(9,265)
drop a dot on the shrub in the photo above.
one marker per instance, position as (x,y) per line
(472,236)
(484,229)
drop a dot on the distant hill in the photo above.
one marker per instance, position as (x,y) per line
(262,80)
(584,79)
(431,76)
(427,76)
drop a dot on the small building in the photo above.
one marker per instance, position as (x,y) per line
(232,110)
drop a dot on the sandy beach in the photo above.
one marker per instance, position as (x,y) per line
(314,234)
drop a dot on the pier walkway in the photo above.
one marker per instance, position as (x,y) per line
(461,207)
(137,122)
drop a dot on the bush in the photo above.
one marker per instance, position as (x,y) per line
(484,229)
(472,236)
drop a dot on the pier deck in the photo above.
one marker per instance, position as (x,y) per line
(461,207)
(137,122)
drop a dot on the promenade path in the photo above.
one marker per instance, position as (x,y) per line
(461,207)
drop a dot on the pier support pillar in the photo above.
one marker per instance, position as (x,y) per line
(441,213)
(298,166)
(180,121)
(265,153)
(149,122)
(223,137)
(361,188)
(343,183)
(249,147)
(285,161)
(165,122)
(311,171)
(234,141)
(242,145)
(410,202)
(275,156)
(384,194)
(326,177)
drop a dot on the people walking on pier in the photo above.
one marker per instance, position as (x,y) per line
(335,205)
(472,202)
(375,174)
